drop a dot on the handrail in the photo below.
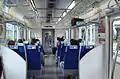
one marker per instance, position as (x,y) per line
(26,59)
(114,63)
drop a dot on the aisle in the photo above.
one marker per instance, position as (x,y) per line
(50,70)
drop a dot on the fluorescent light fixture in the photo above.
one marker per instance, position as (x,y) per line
(33,4)
(32,7)
(64,14)
(59,19)
(71,6)
(68,10)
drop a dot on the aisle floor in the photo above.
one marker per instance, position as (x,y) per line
(50,71)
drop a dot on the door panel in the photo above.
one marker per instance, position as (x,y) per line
(48,40)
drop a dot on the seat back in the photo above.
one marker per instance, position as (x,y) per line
(26,42)
(63,47)
(89,47)
(58,49)
(85,49)
(14,48)
(71,57)
(33,57)
(21,49)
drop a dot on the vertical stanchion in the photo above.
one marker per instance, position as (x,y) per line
(107,48)
(79,60)
(26,60)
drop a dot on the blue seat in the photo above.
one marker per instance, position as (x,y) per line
(85,49)
(58,51)
(89,47)
(14,48)
(42,50)
(62,53)
(26,42)
(21,49)
(71,57)
(33,57)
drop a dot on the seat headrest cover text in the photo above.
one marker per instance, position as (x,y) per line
(20,44)
(73,47)
(31,47)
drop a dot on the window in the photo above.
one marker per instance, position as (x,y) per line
(116,35)
(93,33)
(15,32)
(9,31)
(90,34)
(67,34)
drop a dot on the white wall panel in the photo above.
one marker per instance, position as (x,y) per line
(92,64)
(14,65)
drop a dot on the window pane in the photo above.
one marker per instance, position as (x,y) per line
(9,31)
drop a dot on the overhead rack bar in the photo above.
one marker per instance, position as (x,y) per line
(52,9)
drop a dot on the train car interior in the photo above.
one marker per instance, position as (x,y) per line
(59,39)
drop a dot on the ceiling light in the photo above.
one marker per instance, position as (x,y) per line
(71,5)
(56,22)
(33,4)
(59,19)
(32,7)
(64,14)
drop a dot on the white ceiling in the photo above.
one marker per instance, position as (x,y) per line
(60,4)
(26,10)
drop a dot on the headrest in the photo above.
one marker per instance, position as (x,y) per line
(62,42)
(39,46)
(13,47)
(73,47)
(67,43)
(38,42)
(26,42)
(89,46)
(20,44)
(31,47)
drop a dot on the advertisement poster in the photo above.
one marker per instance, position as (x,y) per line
(1,31)
(101,34)
(101,29)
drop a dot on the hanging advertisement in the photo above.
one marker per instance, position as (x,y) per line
(101,29)
(101,33)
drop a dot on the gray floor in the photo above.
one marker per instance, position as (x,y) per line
(50,71)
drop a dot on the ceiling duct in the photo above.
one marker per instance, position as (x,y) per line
(50,5)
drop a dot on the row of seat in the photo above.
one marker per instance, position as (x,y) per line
(68,55)
(30,53)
